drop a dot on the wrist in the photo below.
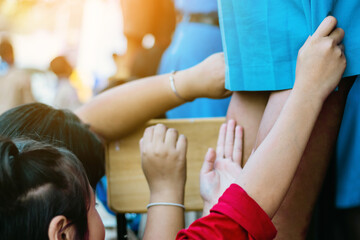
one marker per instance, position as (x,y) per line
(207,208)
(311,98)
(305,102)
(176,196)
(312,91)
(185,82)
(168,204)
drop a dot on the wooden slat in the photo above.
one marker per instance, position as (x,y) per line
(127,188)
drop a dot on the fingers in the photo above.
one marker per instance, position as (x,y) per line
(342,48)
(238,145)
(209,161)
(171,137)
(230,142)
(325,27)
(229,139)
(159,133)
(148,135)
(337,35)
(228,93)
(181,143)
(221,141)
(141,144)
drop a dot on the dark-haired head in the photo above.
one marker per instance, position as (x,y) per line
(60,128)
(42,188)
(6,51)
(61,67)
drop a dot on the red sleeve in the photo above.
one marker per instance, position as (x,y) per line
(236,216)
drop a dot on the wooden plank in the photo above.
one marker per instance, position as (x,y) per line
(127,188)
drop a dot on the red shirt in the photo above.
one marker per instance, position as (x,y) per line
(235,216)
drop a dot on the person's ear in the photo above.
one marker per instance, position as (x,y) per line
(58,230)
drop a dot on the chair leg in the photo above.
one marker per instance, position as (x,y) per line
(121,226)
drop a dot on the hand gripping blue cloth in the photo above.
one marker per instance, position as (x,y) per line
(261,38)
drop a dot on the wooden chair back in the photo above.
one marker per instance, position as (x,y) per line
(127,187)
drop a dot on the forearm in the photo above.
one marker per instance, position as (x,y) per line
(270,170)
(164,222)
(120,110)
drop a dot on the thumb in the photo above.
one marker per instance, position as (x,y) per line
(227,93)
(209,161)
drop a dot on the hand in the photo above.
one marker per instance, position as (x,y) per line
(163,155)
(321,61)
(206,79)
(220,169)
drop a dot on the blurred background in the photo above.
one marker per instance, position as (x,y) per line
(64,52)
(87,32)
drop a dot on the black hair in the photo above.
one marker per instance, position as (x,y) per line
(60,128)
(37,183)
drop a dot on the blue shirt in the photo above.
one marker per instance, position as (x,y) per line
(261,38)
(192,43)
(196,6)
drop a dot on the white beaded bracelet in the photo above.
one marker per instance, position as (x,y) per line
(173,88)
(165,204)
